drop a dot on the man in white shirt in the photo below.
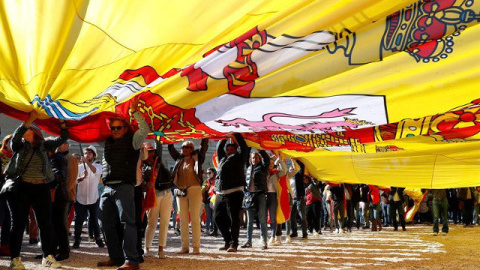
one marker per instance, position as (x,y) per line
(89,176)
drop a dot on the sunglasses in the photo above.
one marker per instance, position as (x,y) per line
(183,147)
(116,127)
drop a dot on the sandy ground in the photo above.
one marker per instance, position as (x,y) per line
(416,248)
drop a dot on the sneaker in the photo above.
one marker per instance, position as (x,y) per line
(49,261)
(247,245)
(265,246)
(316,235)
(305,237)
(271,242)
(288,240)
(177,231)
(278,240)
(293,235)
(16,264)
(337,230)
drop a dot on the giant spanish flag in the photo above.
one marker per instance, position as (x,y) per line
(374,91)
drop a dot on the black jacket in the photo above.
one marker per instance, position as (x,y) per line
(338,193)
(231,169)
(259,173)
(397,190)
(299,184)
(120,161)
(59,164)
(163,179)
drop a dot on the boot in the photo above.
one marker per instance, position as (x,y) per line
(374,226)
(380,226)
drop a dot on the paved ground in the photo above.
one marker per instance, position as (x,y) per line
(416,248)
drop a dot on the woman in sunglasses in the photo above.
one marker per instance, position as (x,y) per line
(187,177)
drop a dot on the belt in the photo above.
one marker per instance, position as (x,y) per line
(34,181)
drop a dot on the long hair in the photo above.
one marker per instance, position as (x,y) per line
(6,141)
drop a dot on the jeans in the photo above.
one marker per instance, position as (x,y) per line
(261,211)
(164,209)
(386,213)
(467,211)
(5,222)
(397,207)
(117,213)
(60,226)
(139,218)
(349,214)
(81,215)
(299,207)
(376,212)
(272,204)
(440,208)
(327,213)
(192,203)
(339,208)
(209,222)
(227,216)
(39,197)
(288,223)
(313,216)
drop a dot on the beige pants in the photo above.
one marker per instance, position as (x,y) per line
(192,204)
(164,208)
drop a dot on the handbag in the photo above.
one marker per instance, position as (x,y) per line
(10,187)
(249,200)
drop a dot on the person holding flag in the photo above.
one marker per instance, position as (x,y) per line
(89,176)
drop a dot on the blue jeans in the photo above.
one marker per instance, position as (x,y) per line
(386,213)
(81,215)
(209,217)
(261,210)
(376,212)
(117,212)
(272,205)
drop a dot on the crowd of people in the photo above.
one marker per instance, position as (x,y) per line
(128,192)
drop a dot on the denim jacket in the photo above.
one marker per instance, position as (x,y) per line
(21,149)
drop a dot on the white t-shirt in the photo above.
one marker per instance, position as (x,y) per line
(87,190)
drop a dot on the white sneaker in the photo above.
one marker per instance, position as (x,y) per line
(49,261)
(316,235)
(337,230)
(288,240)
(278,240)
(272,242)
(16,264)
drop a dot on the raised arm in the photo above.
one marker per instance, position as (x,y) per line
(221,149)
(53,144)
(266,160)
(203,150)
(16,143)
(142,132)
(243,146)
(173,152)
(302,167)
(158,150)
